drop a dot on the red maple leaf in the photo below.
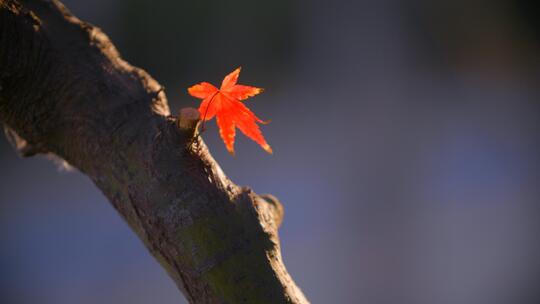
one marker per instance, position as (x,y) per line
(225,103)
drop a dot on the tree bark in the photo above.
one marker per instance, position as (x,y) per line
(64,90)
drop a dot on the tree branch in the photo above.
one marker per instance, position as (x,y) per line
(65,90)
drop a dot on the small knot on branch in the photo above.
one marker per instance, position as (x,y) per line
(24,148)
(188,121)
(276,208)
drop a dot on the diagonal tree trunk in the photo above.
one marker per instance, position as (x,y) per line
(64,90)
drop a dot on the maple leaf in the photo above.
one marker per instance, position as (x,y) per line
(226,105)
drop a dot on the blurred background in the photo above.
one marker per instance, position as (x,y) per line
(406,151)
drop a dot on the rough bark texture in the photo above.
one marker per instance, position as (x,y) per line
(65,90)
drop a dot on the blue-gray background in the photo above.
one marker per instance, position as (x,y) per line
(406,139)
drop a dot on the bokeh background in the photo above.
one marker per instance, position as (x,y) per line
(406,139)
